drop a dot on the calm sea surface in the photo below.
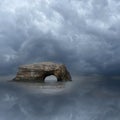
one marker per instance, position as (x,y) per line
(85,98)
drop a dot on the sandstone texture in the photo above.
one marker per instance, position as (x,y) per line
(39,71)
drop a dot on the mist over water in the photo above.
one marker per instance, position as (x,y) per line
(85,98)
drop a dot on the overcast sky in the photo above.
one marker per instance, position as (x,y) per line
(83,34)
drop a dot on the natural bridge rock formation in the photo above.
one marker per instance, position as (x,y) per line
(39,71)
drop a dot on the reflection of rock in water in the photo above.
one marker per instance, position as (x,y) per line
(39,71)
(47,87)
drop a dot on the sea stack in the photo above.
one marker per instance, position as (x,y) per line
(39,71)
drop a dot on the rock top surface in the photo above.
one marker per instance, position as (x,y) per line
(46,66)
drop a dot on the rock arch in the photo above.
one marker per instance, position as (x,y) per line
(50,78)
(39,71)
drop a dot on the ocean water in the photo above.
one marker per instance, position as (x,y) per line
(85,98)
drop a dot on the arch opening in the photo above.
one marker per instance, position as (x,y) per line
(50,78)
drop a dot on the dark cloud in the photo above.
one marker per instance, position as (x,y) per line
(82,34)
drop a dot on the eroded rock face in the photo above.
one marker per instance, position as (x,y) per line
(39,71)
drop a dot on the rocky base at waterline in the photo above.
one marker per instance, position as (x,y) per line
(39,71)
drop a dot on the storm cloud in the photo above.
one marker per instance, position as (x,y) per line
(83,34)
